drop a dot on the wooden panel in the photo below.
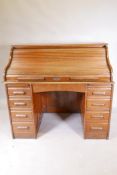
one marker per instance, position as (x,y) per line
(57,102)
(63,102)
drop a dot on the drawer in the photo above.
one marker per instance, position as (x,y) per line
(99,92)
(24,129)
(98,104)
(20,103)
(96,130)
(21,116)
(97,116)
(19,92)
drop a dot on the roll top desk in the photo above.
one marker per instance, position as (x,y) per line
(59,78)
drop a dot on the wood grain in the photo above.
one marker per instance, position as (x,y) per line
(59,78)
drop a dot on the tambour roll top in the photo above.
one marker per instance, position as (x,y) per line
(83,62)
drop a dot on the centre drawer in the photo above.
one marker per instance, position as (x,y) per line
(20,103)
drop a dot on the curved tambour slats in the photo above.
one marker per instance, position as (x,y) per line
(84,62)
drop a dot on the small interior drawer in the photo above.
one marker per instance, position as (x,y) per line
(98,104)
(21,116)
(19,92)
(20,103)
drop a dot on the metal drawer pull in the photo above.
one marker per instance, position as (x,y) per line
(98,104)
(96,128)
(97,116)
(18,92)
(21,115)
(99,93)
(22,127)
(56,78)
(19,104)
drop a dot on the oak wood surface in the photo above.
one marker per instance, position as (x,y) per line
(59,78)
(39,63)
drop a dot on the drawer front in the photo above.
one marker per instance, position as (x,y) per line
(23,127)
(96,130)
(99,92)
(19,92)
(21,116)
(97,104)
(20,103)
(97,116)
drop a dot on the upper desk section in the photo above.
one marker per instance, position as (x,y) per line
(81,63)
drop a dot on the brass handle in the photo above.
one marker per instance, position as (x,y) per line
(22,127)
(96,128)
(56,78)
(99,93)
(98,104)
(19,104)
(18,92)
(21,115)
(97,116)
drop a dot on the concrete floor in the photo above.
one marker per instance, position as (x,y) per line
(59,149)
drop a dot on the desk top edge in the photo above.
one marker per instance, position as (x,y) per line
(43,46)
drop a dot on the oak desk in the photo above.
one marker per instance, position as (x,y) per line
(59,78)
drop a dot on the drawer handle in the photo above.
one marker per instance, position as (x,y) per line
(18,92)
(20,104)
(97,116)
(22,127)
(96,128)
(21,115)
(98,104)
(56,78)
(99,93)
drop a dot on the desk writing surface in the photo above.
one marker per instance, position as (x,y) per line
(85,63)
